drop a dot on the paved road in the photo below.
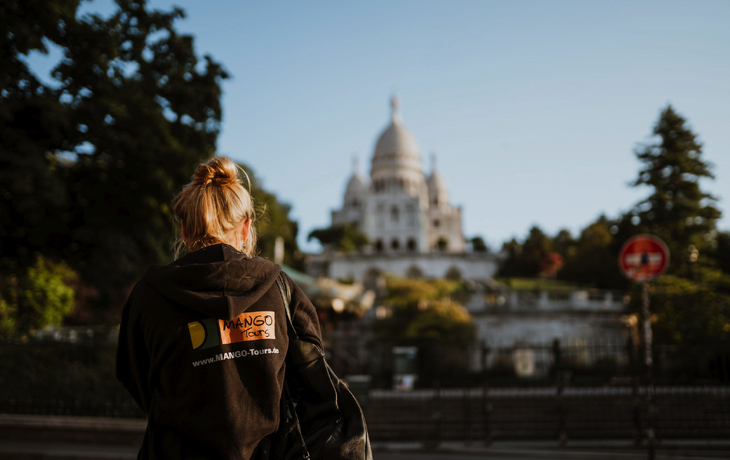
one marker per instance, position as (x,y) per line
(517,455)
(547,454)
(525,456)
(72,451)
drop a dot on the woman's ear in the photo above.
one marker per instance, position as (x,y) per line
(245,229)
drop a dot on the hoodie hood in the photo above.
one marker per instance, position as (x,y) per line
(217,280)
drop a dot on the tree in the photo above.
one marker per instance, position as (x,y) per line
(102,152)
(691,302)
(593,262)
(722,251)
(511,265)
(344,237)
(529,258)
(146,113)
(564,244)
(33,125)
(411,300)
(40,297)
(478,244)
(677,210)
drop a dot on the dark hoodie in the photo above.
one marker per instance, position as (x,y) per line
(201,349)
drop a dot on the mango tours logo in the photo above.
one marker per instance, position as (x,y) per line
(210,332)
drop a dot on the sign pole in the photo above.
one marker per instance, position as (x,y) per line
(650,438)
(642,259)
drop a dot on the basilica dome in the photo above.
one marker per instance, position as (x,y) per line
(396,139)
(396,148)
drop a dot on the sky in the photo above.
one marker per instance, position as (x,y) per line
(532,108)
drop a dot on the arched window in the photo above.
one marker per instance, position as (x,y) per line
(442,244)
(394,213)
(378,246)
(395,244)
(412,245)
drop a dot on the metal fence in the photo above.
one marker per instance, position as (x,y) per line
(488,414)
(577,391)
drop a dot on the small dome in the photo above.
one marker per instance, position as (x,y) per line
(436,183)
(356,185)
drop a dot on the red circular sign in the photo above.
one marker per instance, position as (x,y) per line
(643,258)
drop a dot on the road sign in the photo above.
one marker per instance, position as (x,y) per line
(643,258)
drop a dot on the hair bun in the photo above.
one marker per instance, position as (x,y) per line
(219,171)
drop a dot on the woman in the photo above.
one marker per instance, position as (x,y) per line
(203,340)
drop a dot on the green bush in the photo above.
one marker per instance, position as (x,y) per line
(36,299)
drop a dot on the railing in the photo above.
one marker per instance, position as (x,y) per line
(485,414)
(585,391)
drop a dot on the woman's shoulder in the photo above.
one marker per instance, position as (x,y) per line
(142,292)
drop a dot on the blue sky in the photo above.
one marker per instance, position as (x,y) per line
(533,108)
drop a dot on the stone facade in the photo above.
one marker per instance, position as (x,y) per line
(509,318)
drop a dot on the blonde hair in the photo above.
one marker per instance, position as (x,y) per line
(212,208)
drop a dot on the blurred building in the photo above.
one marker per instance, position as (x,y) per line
(519,326)
(412,228)
(512,317)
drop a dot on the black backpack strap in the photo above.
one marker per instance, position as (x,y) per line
(285,291)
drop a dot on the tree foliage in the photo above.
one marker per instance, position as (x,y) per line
(677,210)
(345,237)
(691,302)
(40,297)
(530,258)
(34,123)
(146,112)
(90,163)
(423,309)
(593,260)
(478,244)
(690,312)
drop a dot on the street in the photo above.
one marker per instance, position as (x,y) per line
(526,451)
(500,451)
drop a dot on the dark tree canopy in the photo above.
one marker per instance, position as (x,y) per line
(146,111)
(564,244)
(345,238)
(90,163)
(478,244)
(527,259)
(593,260)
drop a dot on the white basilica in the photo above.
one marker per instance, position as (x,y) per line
(412,228)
